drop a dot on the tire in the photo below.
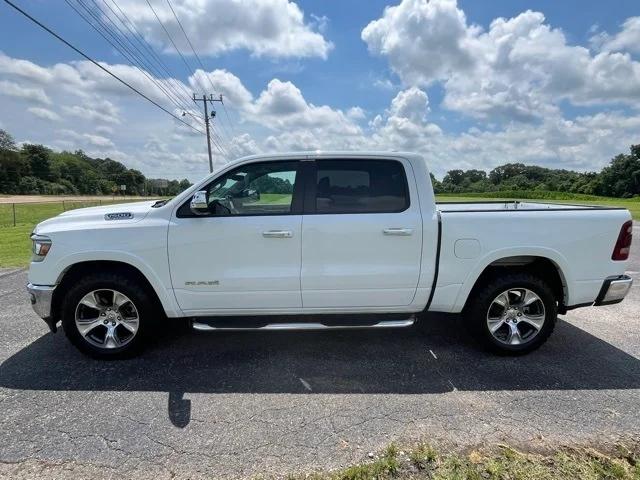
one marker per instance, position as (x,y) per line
(513,322)
(89,297)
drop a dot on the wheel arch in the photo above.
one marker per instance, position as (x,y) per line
(77,270)
(551,268)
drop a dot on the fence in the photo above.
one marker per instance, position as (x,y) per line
(13,214)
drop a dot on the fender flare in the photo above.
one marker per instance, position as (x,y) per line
(164,295)
(560,262)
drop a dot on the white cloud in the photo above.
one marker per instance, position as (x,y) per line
(44,113)
(98,141)
(282,105)
(104,130)
(384,84)
(274,28)
(320,22)
(404,125)
(627,39)
(519,69)
(120,125)
(101,111)
(24,68)
(423,40)
(223,82)
(243,145)
(13,89)
(356,113)
(412,104)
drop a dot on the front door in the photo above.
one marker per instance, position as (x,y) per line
(362,238)
(245,253)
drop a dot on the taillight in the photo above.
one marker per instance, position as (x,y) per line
(623,244)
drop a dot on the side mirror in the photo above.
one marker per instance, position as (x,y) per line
(199,205)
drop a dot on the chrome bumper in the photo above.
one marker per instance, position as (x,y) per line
(41,296)
(614,289)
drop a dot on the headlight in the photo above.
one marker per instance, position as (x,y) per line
(41,246)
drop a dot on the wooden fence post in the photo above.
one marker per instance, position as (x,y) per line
(14,214)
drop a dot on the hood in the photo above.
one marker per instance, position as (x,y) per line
(106,214)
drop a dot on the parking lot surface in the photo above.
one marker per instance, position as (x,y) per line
(244,404)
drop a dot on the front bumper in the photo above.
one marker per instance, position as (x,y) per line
(41,299)
(614,289)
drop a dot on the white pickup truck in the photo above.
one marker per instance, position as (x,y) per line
(322,240)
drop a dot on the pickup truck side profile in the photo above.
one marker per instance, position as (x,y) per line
(322,240)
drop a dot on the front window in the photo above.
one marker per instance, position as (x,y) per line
(255,189)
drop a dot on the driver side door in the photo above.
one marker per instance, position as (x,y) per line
(243,255)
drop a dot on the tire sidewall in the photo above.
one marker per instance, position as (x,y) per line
(480,307)
(135,293)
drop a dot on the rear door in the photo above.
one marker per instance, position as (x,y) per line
(361,234)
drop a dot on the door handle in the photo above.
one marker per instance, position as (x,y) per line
(277,234)
(398,231)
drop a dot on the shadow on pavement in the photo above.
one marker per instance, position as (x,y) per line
(363,362)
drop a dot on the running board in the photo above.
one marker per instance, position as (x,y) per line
(285,326)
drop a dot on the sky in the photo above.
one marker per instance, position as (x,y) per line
(468,84)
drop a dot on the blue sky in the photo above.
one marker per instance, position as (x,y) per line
(552,83)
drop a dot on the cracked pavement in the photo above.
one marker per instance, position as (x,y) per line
(237,405)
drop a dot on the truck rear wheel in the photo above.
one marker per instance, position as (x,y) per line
(513,314)
(107,315)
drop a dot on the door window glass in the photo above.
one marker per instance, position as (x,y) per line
(255,189)
(361,186)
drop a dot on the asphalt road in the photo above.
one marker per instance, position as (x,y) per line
(238,405)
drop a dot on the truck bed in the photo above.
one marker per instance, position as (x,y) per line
(577,239)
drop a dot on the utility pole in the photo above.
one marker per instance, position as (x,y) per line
(204,100)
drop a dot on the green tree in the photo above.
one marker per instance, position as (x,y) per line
(6,141)
(12,168)
(38,157)
(621,178)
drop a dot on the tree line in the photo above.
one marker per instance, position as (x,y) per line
(620,178)
(36,169)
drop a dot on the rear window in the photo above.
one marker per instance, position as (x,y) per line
(361,186)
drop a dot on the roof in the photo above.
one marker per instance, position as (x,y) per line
(310,154)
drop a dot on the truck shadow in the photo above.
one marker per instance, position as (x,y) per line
(433,358)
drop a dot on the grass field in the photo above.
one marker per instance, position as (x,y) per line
(503,463)
(15,244)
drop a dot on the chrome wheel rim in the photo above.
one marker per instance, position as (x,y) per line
(107,319)
(516,316)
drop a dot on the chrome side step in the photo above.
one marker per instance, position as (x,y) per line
(285,326)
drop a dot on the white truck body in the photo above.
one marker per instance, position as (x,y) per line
(426,257)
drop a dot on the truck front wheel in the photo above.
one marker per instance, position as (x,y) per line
(513,314)
(107,315)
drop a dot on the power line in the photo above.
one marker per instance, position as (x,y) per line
(134,59)
(211,136)
(184,60)
(140,57)
(201,64)
(106,70)
(128,54)
(130,25)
